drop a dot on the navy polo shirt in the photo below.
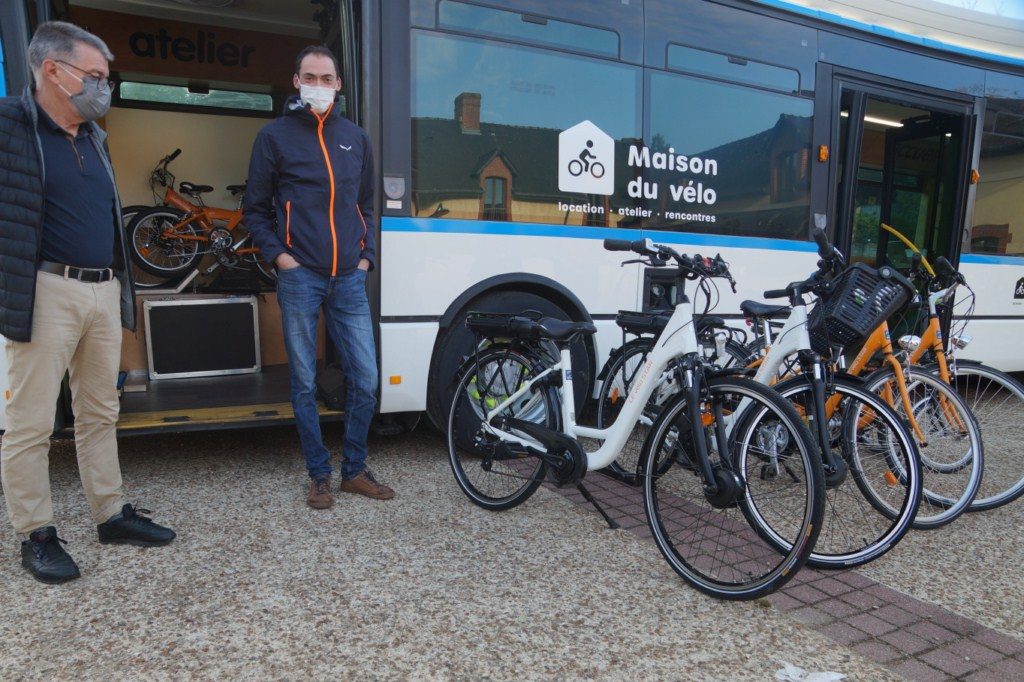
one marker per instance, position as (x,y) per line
(78,212)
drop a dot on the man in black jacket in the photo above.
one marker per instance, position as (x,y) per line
(65,292)
(309,207)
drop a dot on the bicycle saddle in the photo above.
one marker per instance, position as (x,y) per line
(192,188)
(236,189)
(769,310)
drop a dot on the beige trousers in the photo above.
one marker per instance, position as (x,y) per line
(76,327)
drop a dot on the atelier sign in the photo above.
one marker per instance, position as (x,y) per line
(202,47)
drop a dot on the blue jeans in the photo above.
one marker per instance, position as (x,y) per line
(302,293)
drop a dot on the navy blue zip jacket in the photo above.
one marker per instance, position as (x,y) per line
(310,191)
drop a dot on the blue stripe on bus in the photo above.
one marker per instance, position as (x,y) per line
(890,33)
(449,226)
(986,259)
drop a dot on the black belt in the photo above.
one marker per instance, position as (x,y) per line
(81,274)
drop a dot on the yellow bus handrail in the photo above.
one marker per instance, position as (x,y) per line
(899,235)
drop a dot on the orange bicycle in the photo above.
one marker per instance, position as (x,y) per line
(947,434)
(168,241)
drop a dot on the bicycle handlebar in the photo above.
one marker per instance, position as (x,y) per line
(173,155)
(695,267)
(831,263)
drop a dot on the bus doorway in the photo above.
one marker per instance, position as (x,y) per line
(902,162)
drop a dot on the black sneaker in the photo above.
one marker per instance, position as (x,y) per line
(134,529)
(43,557)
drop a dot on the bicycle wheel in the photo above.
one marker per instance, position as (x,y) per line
(158,247)
(492,476)
(870,511)
(717,542)
(264,270)
(996,400)
(141,278)
(618,376)
(952,457)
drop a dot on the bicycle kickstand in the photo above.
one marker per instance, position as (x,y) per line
(612,523)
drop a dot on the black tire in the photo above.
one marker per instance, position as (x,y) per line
(720,548)
(141,278)
(485,383)
(953,461)
(456,343)
(870,511)
(156,254)
(996,400)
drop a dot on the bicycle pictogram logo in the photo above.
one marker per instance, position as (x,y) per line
(587,163)
(1018,291)
(586,160)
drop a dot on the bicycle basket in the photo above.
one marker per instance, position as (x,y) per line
(854,304)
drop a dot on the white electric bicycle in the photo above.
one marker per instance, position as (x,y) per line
(715,517)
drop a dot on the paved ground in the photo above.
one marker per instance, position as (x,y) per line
(429,586)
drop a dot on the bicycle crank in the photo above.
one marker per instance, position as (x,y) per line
(566,460)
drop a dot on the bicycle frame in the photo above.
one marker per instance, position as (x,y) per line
(678,339)
(204,216)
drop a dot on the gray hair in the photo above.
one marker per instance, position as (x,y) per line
(58,40)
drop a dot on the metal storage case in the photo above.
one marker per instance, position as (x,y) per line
(200,337)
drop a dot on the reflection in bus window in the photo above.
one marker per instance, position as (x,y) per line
(707,63)
(738,159)
(999,206)
(483,111)
(527,28)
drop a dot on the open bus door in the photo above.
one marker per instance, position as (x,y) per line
(904,161)
(207,81)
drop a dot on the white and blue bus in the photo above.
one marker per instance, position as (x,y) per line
(511,137)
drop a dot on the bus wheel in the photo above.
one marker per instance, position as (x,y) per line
(456,343)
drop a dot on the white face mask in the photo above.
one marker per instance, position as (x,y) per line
(318,97)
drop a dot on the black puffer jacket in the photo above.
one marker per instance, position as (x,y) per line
(21,217)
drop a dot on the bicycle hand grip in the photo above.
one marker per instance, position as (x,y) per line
(777,293)
(943,266)
(618,245)
(173,155)
(825,249)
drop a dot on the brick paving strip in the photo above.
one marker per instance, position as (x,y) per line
(917,640)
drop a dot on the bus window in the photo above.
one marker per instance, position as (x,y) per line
(726,159)
(729,67)
(527,28)
(487,120)
(999,205)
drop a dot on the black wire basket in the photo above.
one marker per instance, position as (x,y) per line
(854,304)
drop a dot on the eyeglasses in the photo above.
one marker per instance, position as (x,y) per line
(99,82)
(310,79)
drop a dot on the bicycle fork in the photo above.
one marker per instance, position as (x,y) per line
(835,467)
(721,484)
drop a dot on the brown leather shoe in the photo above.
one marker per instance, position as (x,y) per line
(365,484)
(320,496)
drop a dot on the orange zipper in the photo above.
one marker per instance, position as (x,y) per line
(362,240)
(288,224)
(330,175)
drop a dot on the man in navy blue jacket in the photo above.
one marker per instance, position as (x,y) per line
(309,208)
